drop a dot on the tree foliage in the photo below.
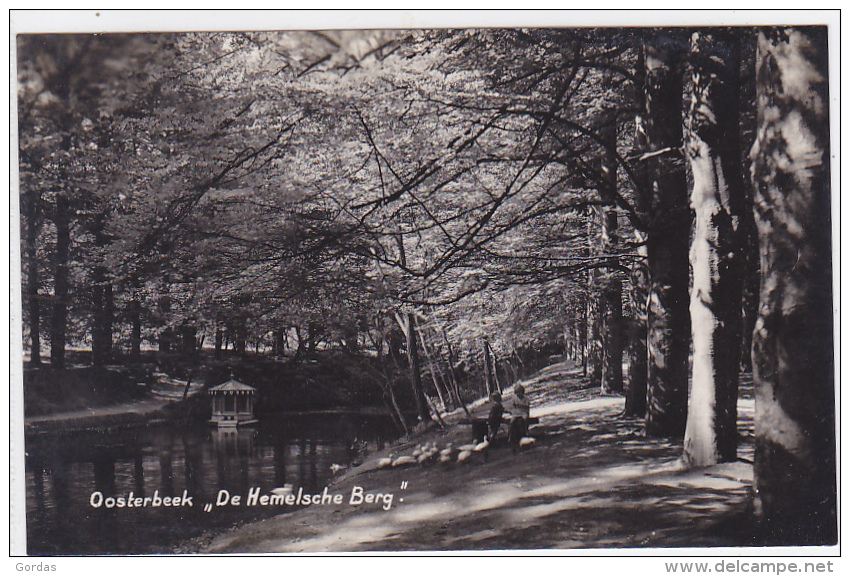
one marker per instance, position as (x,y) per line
(495,192)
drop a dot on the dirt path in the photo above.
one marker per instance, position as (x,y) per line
(146,406)
(591,480)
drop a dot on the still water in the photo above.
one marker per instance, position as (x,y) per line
(63,471)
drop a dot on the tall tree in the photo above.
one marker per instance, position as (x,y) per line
(489,380)
(102,301)
(594,336)
(59,318)
(65,81)
(712,147)
(33,221)
(635,392)
(668,331)
(415,369)
(795,459)
(134,313)
(611,303)
(749,234)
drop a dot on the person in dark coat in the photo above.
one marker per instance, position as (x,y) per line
(494,419)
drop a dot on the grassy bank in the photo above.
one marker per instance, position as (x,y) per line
(329,381)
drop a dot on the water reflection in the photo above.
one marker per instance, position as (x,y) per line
(64,470)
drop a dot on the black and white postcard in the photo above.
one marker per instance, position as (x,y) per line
(425,283)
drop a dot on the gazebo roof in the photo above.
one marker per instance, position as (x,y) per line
(232,386)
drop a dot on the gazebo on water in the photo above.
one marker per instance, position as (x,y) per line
(232,404)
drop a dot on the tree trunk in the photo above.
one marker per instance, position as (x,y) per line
(795,460)
(635,405)
(446,383)
(611,314)
(495,372)
(750,296)
(165,338)
(186,334)
(279,342)
(388,388)
(668,328)
(97,317)
(241,341)
(612,334)
(717,197)
(572,337)
(488,369)
(136,326)
(454,377)
(394,340)
(59,321)
(167,334)
(35,318)
(33,223)
(582,341)
(748,105)
(108,318)
(594,330)
(302,346)
(415,371)
(219,340)
(314,335)
(433,370)
(611,289)
(351,340)
(101,330)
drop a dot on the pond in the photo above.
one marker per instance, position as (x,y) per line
(70,478)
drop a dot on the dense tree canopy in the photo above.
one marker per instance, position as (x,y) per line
(441,202)
(267,167)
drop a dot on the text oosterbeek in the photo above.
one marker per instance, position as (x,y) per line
(255,497)
(132,501)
